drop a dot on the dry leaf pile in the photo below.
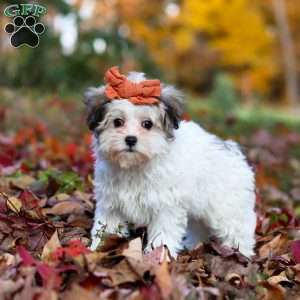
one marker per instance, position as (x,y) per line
(46,210)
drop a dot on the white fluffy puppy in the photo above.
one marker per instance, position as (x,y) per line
(172,176)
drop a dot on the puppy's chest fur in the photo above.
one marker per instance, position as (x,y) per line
(135,194)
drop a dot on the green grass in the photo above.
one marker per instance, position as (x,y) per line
(242,119)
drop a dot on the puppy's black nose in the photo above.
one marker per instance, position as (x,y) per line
(130,140)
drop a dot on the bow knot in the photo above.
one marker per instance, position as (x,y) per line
(119,87)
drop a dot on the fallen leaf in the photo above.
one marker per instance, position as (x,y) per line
(74,248)
(113,242)
(163,277)
(14,204)
(58,198)
(234,279)
(295,249)
(65,208)
(275,280)
(121,273)
(274,246)
(51,246)
(220,267)
(272,292)
(85,197)
(49,275)
(134,250)
(23,182)
(26,257)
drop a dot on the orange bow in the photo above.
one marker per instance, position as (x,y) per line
(119,87)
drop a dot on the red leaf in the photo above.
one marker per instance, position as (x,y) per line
(26,257)
(3,206)
(29,200)
(74,248)
(295,249)
(58,253)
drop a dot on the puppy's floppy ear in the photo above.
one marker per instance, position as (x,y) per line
(94,99)
(173,105)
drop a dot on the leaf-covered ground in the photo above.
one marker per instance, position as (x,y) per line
(46,209)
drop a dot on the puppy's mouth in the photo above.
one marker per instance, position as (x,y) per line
(128,157)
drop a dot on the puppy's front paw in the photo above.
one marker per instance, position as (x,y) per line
(153,247)
(158,254)
(100,236)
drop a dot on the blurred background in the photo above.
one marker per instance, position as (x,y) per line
(235,59)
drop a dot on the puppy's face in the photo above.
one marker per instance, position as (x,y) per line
(130,135)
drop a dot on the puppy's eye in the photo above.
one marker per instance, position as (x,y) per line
(118,122)
(147,124)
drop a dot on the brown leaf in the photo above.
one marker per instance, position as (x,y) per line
(14,204)
(52,245)
(163,277)
(121,273)
(5,228)
(79,221)
(272,292)
(65,208)
(58,198)
(8,243)
(275,280)
(134,250)
(113,242)
(274,246)
(220,267)
(72,233)
(92,259)
(23,182)
(85,197)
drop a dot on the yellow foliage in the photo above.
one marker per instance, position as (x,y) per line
(234,32)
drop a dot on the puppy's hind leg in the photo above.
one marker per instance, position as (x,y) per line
(234,227)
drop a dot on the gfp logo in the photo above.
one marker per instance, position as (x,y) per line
(24,28)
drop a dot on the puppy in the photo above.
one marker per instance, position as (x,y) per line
(153,169)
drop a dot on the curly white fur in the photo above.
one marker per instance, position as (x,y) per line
(175,186)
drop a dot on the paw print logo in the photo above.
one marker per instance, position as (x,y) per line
(24,31)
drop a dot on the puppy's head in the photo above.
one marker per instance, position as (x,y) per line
(130,135)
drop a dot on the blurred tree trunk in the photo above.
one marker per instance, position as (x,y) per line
(288,52)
